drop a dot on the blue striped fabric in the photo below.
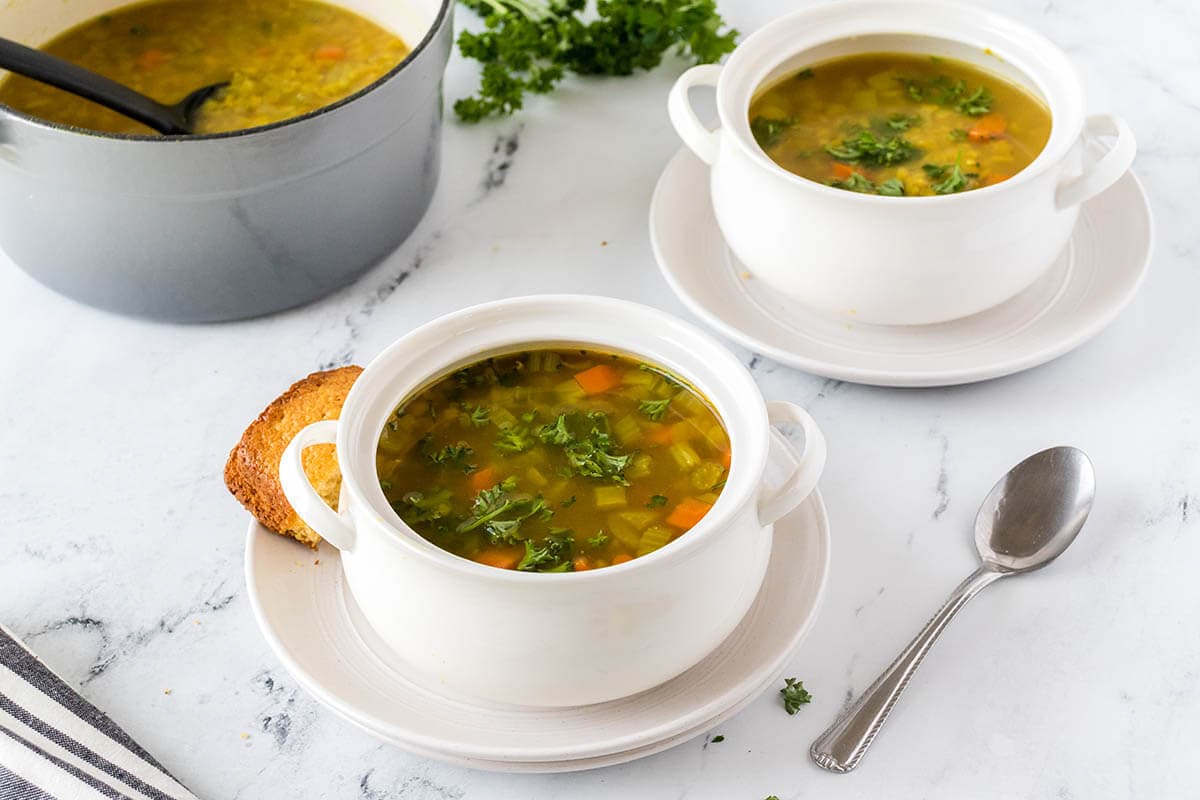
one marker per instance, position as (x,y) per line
(54,745)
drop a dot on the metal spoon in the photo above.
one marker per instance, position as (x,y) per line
(171,120)
(1028,519)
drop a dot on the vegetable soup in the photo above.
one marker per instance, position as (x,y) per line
(553,460)
(283,58)
(900,125)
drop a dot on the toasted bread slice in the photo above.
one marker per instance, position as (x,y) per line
(252,472)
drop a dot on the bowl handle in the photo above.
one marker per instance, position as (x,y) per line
(806,465)
(1105,172)
(301,494)
(695,135)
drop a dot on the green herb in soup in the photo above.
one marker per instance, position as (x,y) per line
(899,125)
(282,58)
(553,460)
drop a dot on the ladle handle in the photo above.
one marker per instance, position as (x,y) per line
(842,746)
(73,78)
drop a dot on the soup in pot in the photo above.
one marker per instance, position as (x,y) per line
(554,460)
(282,58)
(900,125)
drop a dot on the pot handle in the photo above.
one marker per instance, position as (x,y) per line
(695,135)
(301,494)
(1105,172)
(806,466)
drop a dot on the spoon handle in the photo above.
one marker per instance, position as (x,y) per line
(843,744)
(46,68)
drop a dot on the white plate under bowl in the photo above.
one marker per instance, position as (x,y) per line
(306,612)
(1095,277)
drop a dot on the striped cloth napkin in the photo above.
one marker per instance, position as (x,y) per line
(54,745)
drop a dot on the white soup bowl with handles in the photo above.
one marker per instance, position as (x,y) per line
(567,639)
(898,260)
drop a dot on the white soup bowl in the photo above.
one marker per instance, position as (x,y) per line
(898,260)
(571,638)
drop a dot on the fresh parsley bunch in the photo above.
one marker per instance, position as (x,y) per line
(531,45)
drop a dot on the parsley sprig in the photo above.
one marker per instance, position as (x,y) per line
(531,45)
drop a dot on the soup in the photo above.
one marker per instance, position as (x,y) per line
(283,58)
(899,125)
(553,460)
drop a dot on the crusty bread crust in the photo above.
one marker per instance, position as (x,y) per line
(252,471)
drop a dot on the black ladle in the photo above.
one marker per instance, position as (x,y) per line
(170,120)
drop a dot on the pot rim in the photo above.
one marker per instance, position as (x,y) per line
(749,452)
(1066,109)
(439,21)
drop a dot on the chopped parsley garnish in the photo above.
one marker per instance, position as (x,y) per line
(657,501)
(500,512)
(958,134)
(900,122)
(552,554)
(857,182)
(945,91)
(514,440)
(570,501)
(480,416)
(950,177)
(767,131)
(450,455)
(654,409)
(593,458)
(794,695)
(592,454)
(556,432)
(864,147)
(599,540)
(422,507)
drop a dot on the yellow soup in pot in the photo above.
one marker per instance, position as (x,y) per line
(553,460)
(283,58)
(899,125)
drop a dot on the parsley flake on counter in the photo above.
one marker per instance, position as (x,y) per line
(794,695)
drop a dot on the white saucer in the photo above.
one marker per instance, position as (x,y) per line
(309,618)
(1087,287)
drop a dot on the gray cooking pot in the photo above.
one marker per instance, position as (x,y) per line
(226,226)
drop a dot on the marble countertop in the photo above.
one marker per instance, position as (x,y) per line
(121,552)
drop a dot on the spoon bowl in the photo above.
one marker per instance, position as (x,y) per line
(1034,512)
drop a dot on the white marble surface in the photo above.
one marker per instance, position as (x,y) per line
(121,553)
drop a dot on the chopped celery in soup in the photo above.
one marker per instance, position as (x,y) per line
(553,460)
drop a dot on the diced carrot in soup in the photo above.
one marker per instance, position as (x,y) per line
(598,379)
(689,512)
(483,479)
(500,557)
(987,127)
(330,52)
